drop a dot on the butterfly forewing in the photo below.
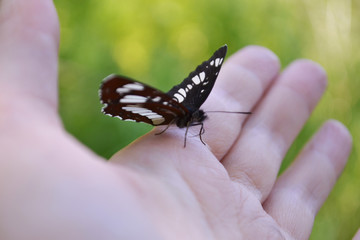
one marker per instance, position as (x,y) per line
(130,100)
(195,89)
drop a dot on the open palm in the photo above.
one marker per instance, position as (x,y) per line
(52,187)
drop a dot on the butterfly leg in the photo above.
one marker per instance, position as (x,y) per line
(202,129)
(201,132)
(186,132)
(167,127)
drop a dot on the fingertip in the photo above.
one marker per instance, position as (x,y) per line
(340,130)
(29,39)
(260,50)
(305,69)
(307,79)
(313,68)
(336,142)
(335,133)
(39,15)
(261,61)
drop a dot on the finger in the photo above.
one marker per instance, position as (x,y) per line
(302,189)
(242,81)
(28,59)
(255,158)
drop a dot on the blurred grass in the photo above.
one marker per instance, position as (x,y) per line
(160,42)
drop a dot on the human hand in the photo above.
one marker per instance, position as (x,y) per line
(52,187)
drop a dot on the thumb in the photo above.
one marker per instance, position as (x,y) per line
(28,61)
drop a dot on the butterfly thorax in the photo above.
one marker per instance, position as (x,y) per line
(193,118)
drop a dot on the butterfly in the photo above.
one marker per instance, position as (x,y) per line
(131,100)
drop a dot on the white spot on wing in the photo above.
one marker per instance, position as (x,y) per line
(182,92)
(147,113)
(157,121)
(134,86)
(189,86)
(122,90)
(217,61)
(196,79)
(212,62)
(221,60)
(133,99)
(153,116)
(202,76)
(178,97)
(136,109)
(156,99)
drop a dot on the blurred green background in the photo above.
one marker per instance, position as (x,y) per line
(159,42)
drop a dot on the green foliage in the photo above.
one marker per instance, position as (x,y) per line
(160,41)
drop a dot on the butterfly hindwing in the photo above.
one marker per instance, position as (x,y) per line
(130,100)
(195,89)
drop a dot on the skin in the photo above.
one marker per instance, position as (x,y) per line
(53,187)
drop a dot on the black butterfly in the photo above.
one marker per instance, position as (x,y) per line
(131,100)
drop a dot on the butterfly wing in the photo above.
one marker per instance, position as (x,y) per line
(131,100)
(195,89)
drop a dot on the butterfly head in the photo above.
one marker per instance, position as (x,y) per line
(195,118)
